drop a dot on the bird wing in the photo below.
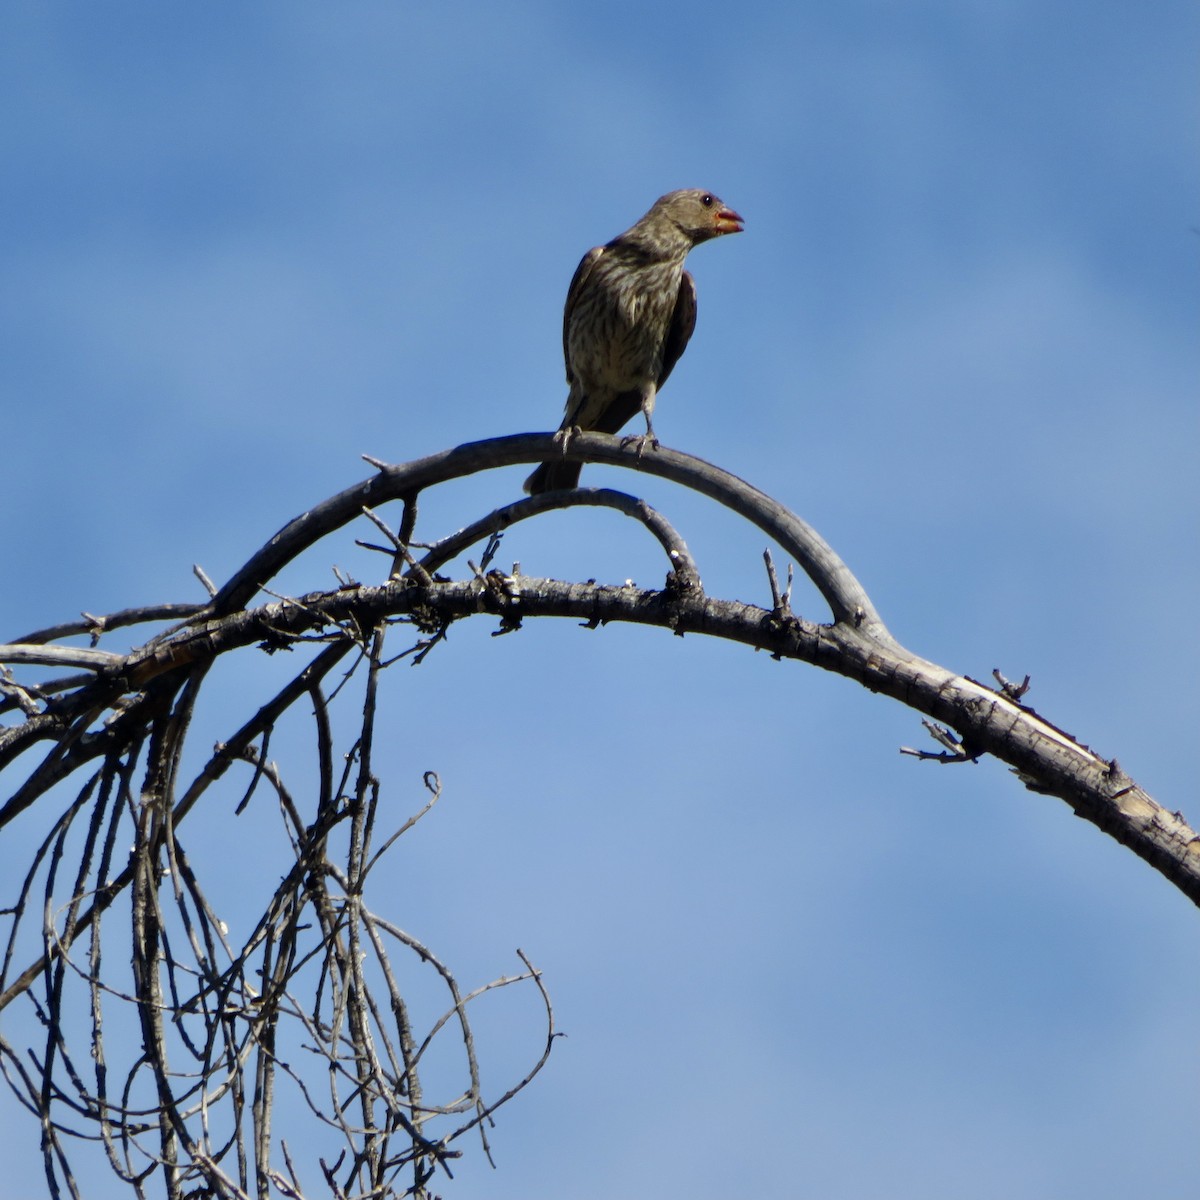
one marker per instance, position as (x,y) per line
(578,281)
(679,332)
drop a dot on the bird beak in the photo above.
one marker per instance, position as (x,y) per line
(727,221)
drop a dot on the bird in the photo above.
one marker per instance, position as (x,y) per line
(630,312)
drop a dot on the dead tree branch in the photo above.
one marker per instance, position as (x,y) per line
(307,998)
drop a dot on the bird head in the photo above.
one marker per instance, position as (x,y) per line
(697,214)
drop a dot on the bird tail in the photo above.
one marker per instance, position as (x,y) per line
(553,476)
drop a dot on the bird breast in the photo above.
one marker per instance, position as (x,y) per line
(620,322)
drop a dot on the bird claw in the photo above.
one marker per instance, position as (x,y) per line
(641,440)
(565,434)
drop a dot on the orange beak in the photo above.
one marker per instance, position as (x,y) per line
(727,221)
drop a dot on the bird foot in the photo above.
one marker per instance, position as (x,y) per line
(641,440)
(564,436)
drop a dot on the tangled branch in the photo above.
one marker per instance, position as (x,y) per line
(310,999)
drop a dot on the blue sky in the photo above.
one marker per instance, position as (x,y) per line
(244,245)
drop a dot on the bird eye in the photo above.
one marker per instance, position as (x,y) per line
(706,200)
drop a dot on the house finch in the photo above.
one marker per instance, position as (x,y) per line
(630,311)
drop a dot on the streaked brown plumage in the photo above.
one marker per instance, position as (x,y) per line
(630,311)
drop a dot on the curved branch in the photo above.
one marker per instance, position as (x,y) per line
(857,644)
(667,536)
(846,597)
